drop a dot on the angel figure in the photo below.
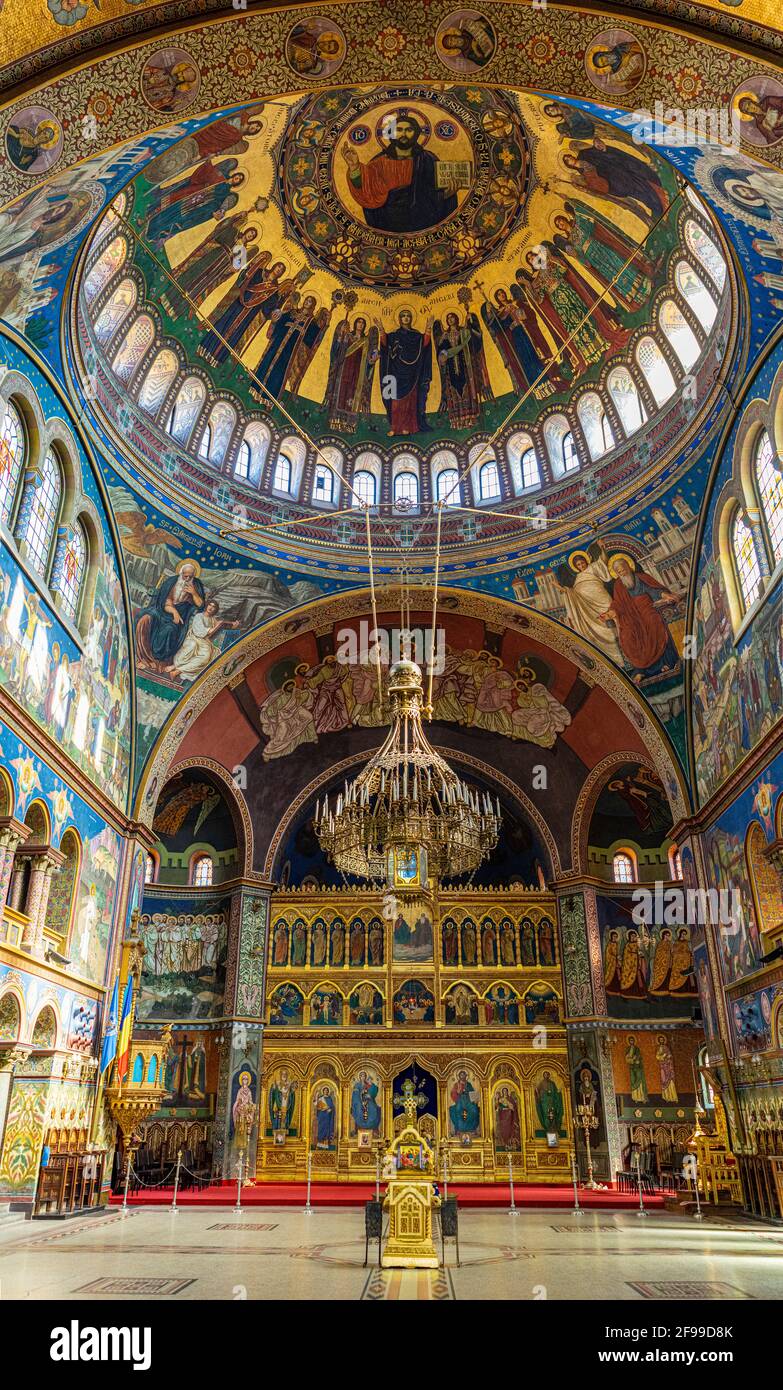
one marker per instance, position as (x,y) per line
(171,817)
(199,647)
(464,378)
(294,332)
(355,350)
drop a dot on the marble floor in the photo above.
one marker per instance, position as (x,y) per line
(283,1253)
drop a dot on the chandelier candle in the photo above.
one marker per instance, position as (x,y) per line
(407,818)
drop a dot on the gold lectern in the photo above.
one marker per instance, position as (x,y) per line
(410,1196)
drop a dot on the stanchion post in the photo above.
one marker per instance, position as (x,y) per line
(127,1180)
(512,1211)
(575,1178)
(697,1215)
(174,1206)
(308,1208)
(377,1177)
(638,1165)
(240,1166)
(445,1174)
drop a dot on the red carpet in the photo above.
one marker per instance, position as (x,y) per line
(356,1194)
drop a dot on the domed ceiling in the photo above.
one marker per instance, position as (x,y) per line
(400,295)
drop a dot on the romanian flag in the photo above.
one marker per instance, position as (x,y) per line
(124,1041)
(109,1047)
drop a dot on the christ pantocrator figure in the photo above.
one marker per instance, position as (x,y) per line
(398,189)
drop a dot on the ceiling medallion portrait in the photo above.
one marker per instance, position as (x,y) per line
(408,186)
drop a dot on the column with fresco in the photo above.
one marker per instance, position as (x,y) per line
(235,1135)
(589,1051)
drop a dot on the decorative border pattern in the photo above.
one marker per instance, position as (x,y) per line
(708,15)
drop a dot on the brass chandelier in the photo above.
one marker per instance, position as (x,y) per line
(407,807)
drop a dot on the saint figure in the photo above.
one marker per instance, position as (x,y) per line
(398,189)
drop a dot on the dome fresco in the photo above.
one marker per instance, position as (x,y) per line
(402,295)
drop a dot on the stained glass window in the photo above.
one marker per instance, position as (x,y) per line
(489,481)
(364,487)
(747,561)
(108,263)
(695,293)
(622,389)
(523,461)
(133,348)
(623,868)
(560,445)
(595,424)
(242,465)
(74,562)
(12,452)
(769,478)
(115,310)
(705,251)
(158,380)
(110,221)
(222,419)
(448,487)
(679,332)
(323,483)
(202,871)
(293,451)
(406,489)
(205,443)
(40,517)
(187,408)
(257,438)
(282,478)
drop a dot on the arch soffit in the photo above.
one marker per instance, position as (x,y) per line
(236,804)
(589,664)
(586,802)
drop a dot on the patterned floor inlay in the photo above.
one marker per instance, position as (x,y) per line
(245,1226)
(429,1285)
(588,1230)
(152,1288)
(692,1290)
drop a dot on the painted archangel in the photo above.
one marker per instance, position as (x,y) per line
(464,379)
(355,350)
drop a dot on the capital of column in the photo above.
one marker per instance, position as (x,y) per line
(13,833)
(13,1055)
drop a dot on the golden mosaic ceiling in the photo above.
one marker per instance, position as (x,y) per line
(42,27)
